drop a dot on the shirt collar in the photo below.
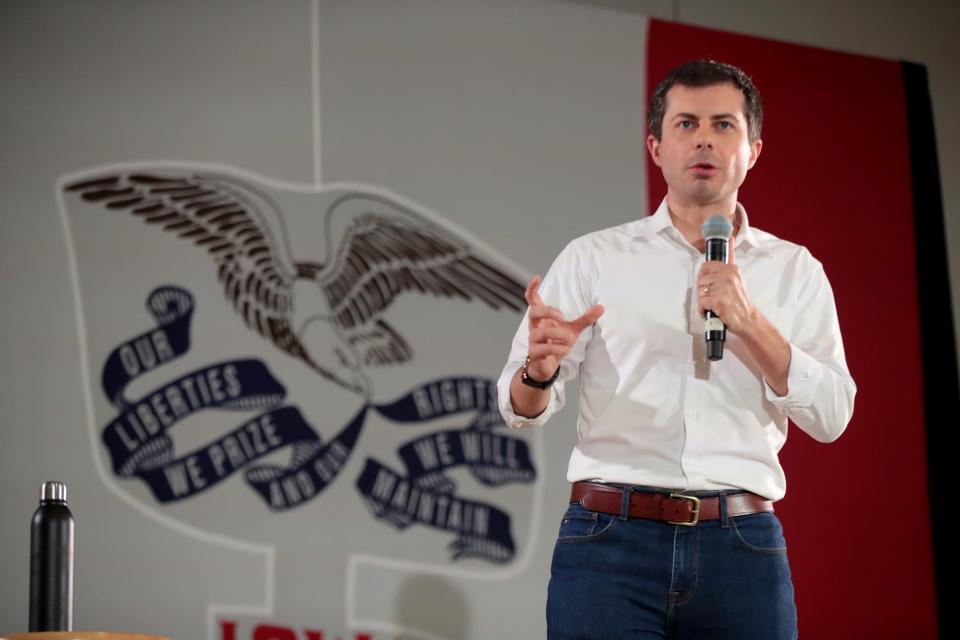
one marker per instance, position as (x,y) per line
(660,220)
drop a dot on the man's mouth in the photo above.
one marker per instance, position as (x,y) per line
(703,169)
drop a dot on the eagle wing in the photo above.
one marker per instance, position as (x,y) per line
(386,250)
(220,217)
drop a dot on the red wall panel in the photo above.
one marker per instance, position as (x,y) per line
(834,175)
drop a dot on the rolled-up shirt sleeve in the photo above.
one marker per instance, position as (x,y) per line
(820,389)
(566,287)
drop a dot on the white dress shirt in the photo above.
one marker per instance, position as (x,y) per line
(653,409)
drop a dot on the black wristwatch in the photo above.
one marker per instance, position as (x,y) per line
(537,384)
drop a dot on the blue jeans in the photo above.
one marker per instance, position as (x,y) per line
(615,577)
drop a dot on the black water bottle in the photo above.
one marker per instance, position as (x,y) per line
(51,561)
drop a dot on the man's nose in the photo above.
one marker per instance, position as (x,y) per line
(703,137)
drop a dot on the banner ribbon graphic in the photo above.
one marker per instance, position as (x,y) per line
(140,446)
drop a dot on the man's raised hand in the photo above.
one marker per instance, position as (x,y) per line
(551,336)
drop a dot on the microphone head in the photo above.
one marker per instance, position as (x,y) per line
(716,227)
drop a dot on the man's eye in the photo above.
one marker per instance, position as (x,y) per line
(685,124)
(723,124)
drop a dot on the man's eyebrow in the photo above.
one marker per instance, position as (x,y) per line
(692,116)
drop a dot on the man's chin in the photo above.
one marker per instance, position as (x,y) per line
(704,195)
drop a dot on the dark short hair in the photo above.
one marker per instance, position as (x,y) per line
(705,73)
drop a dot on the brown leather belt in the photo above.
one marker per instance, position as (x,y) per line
(673,508)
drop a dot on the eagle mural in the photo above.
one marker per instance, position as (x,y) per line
(329,313)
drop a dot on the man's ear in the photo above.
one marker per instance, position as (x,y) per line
(653,146)
(755,152)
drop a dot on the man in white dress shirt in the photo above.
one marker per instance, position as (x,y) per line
(670,531)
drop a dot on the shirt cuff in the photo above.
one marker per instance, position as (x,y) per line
(515,421)
(803,377)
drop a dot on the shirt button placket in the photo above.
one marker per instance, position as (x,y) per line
(692,393)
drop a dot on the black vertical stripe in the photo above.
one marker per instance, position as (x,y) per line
(941,391)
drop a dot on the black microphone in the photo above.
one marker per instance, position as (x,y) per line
(716,231)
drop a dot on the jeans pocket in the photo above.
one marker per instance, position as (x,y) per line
(760,532)
(579,524)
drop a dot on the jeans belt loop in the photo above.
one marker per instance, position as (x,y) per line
(625,503)
(724,519)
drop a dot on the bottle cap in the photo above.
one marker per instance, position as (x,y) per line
(53,491)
